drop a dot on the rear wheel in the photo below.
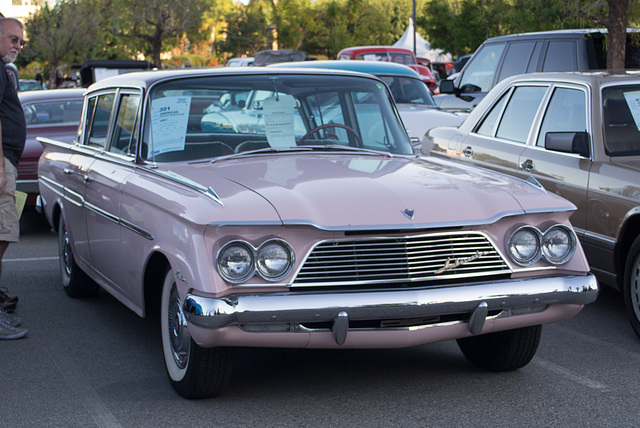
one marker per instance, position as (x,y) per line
(632,286)
(75,282)
(194,372)
(502,351)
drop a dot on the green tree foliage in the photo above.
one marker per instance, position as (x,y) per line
(61,34)
(245,33)
(154,26)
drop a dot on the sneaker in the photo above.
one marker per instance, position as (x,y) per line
(6,301)
(12,320)
(7,332)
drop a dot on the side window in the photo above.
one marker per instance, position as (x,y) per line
(520,112)
(481,69)
(567,112)
(489,122)
(98,113)
(125,132)
(516,59)
(561,56)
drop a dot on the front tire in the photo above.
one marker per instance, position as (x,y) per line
(502,351)
(632,286)
(76,283)
(194,372)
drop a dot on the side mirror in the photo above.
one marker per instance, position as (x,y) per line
(446,87)
(568,142)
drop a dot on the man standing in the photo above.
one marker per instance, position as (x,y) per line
(12,138)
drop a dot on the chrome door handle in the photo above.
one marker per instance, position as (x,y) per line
(67,171)
(528,165)
(87,179)
(468,151)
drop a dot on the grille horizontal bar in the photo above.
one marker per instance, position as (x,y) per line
(401,259)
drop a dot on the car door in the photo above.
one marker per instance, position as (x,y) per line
(105,178)
(500,137)
(563,173)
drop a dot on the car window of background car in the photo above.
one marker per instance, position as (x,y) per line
(52,112)
(124,135)
(98,114)
(561,56)
(519,114)
(408,91)
(567,112)
(621,134)
(479,73)
(517,59)
(381,56)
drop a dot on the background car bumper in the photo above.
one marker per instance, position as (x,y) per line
(474,301)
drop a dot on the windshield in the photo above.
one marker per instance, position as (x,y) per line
(621,111)
(406,90)
(213,116)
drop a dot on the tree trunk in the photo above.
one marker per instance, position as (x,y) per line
(617,27)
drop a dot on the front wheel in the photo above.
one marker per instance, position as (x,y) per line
(502,351)
(632,286)
(75,282)
(194,372)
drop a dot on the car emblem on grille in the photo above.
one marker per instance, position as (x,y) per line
(453,263)
(408,213)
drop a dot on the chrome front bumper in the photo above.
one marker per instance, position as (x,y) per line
(477,300)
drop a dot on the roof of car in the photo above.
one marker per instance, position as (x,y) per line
(601,76)
(553,34)
(363,49)
(51,95)
(370,67)
(144,79)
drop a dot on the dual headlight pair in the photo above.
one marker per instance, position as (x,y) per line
(528,244)
(239,260)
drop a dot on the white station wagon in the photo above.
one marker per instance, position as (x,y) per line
(304,221)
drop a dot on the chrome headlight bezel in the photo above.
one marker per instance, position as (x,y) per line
(549,236)
(540,244)
(225,253)
(289,259)
(518,239)
(256,260)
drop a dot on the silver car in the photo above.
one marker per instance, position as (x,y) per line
(578,134)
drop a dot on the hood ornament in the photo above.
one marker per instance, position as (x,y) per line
(408,213)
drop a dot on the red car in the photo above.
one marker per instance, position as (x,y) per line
(53,114)
(390,54)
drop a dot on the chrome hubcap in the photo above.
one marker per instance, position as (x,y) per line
(178,332)
(635,287)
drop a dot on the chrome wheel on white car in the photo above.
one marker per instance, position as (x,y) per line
(75,282)
(195,372)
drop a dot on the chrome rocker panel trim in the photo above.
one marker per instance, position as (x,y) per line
(477,300)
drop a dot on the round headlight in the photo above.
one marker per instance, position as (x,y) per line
(235,262)
(274,260)
(524,246)
(558,244)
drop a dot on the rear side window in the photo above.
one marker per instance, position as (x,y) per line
(561,56)
(567,112)
(520,112)
(516,59)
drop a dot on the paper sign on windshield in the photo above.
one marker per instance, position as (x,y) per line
(633,101)
(278,114)
(169,119)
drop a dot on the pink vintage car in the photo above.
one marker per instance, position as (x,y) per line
(305,221)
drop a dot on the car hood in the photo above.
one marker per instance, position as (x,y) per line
(370,191)
(418,119)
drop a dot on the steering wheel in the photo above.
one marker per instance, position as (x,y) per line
(330,125)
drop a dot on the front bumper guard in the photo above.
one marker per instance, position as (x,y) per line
(477,300)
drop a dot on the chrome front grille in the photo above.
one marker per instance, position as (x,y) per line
(429,257)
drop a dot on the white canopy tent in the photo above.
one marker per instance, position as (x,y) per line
(423,47)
